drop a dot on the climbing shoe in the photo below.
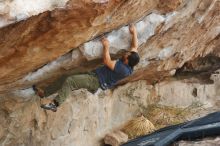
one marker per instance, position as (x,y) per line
(50,106)
(38,91)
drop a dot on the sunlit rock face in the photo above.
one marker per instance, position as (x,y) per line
(120,39)
(178,38)
(16,10)
(167,39)
(43,38)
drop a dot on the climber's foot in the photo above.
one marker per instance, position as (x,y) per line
(38,91)
(50,106)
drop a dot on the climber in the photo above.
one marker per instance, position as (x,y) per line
(104,77)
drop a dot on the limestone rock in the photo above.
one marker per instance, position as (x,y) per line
(14,11)
(175,39)
(120,39)
(116,138)
(30,44)
(205,142)
(91,117)
(169,48)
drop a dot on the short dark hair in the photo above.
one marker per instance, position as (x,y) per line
(133,59)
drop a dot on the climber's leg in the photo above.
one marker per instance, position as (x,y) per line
(89,81)
(50,89)
(55,86)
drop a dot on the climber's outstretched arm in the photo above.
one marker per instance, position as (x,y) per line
(134,43)
(106,55)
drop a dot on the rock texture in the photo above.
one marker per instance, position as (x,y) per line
(205,142)
(178,38)
(120,39)
(17,10)
(176,41)
(29,44)
(84,119)
(116,138)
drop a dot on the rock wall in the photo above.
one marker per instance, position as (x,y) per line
(205,142)
(85,118)
(177,38)
(28,45)
(17,10)
(179,49)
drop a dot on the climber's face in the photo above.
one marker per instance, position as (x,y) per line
(125,57)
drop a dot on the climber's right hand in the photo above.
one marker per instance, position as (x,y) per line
(105,42)
(132,29)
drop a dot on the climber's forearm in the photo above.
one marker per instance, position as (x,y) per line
(107,58)
(106,54)
(134,43)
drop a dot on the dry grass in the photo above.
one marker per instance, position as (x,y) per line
(138,127)
(162,116)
